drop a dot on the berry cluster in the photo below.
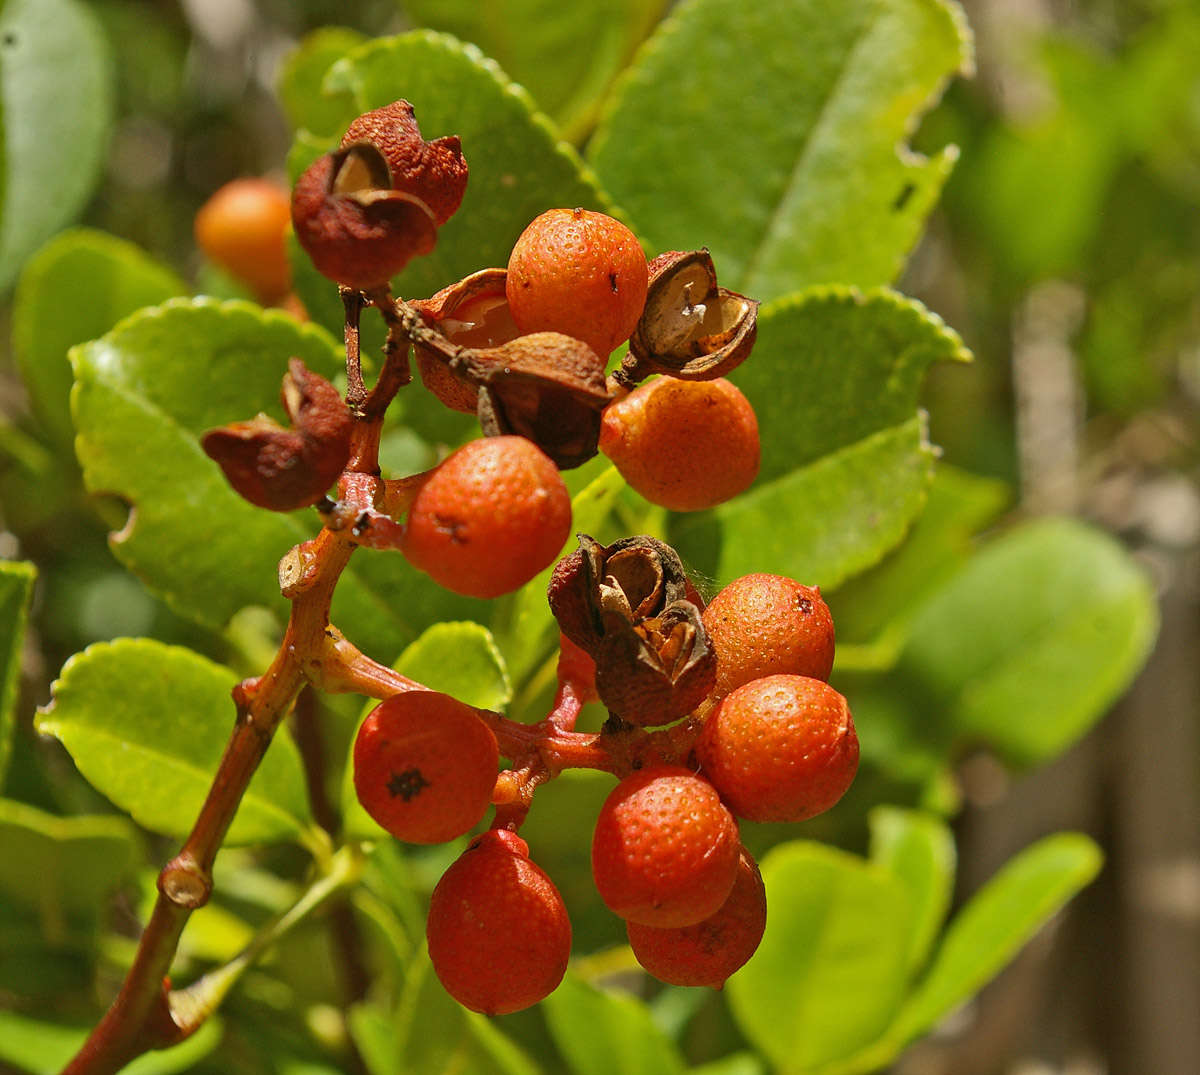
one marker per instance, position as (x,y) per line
(715,712)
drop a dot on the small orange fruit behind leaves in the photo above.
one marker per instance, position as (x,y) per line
(425,766)
(761,624)
(489,517)
(580,273)
(242,228)
(710,951)
(685,445)
(665,849)
(780,748)
(498,933)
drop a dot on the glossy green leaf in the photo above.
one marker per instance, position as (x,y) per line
(62,867)
(16,586)
(517,167)
(459,659)
(802,174)
(834,380)
(301,91)
(55,128)
(1032,640)
(873,611)
(996,922)
(918,849)
(144,395)
(565,55)
(599,1032)
(116,276)
(37,1047)
(146,724)
(821,523)
(832,966)
(833,365)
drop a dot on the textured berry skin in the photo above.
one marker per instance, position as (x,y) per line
(499,937)
(780,748)
(686,445)
(580,273)
(665,850)
(489,517)
(242,228)
(710,951)
(761,625)
(425,766)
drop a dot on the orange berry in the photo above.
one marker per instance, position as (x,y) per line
(780,748)
(425,766)
(665,849)
(489,517)
(242,228)
(710,951)
(499,937)
(761,625)
(580,273)
(685,445)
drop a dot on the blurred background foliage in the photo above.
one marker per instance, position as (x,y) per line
(1066,252)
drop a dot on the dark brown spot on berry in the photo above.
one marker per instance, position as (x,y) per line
(805,605)
(408,784)
(612,282)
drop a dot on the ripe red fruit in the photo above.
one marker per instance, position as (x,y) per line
(242,228)
(489,517)
(580,273)
(686,445)
(780,748)
(425,766)
(665,850)
(710,951)
(761,625)
(499,937)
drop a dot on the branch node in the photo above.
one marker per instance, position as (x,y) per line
(184,884)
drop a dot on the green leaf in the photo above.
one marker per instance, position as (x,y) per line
(301,91)
(460,659)
(833,365)
(802,174)
(116,276)
(16,586)
(1031,642)
(832,966)
(146,724)
(62,867)
(565,55)
(144,395)
(599,1032)
(823,522)
(918,849)
(56,98)
(518,168)
(996,923)
(42,1048)
(873,611)
(834,380)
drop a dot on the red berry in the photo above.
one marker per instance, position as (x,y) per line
(685,445)
(760,625)
(665,850)
(499,937)
(489,517)
(710,951)
(425,766)
(580,273)
(780,748)
(242,228)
